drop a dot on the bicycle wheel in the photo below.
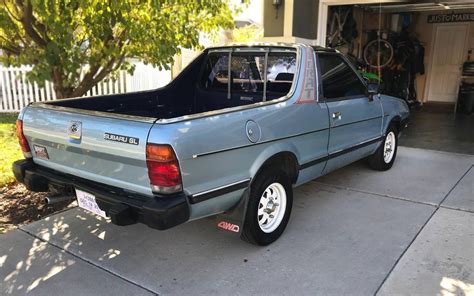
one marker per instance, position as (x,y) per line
(378,53)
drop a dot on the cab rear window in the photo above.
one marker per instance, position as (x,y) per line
(249,76)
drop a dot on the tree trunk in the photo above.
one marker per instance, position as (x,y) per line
(61,91)
(95,75)
(84,86)
(58,84)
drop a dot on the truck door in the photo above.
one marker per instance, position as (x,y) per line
(355,118)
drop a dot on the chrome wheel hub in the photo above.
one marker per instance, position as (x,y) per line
(389,147)
(271,207)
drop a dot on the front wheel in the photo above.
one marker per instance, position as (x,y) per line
(385,155)
(269,207)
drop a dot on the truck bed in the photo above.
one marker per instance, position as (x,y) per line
(199,88)
(174,100)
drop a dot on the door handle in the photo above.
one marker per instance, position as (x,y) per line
(336,116)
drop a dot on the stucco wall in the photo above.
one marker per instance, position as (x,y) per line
(273,19)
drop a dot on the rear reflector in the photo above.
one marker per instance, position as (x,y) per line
(163,169)
(22,139)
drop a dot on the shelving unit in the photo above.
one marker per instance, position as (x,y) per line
(463,77)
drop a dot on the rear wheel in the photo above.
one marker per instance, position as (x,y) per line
(385,155)
(269,207)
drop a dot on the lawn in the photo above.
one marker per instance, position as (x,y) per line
(9,147)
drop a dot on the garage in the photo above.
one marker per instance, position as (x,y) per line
(420,51)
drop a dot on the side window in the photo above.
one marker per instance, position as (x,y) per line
(338,79)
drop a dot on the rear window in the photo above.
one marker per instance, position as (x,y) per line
(246,75)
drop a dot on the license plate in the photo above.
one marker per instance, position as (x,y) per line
(87,202)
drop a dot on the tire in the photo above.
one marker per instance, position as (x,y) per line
(271,188)
(381,160)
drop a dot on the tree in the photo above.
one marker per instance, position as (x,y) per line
(77,43)
(246,33)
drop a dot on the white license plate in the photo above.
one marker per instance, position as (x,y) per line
(87,201)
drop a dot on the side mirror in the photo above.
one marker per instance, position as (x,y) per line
(372,90)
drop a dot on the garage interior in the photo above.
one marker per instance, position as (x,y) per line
(420,52)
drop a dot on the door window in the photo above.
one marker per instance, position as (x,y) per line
(338,78)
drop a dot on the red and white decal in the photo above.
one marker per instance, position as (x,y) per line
(228,226)
(308,94)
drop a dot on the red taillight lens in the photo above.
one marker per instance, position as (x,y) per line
(21,139)
(164,174)
(163,169)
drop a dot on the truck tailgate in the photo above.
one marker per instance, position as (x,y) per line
(102,149)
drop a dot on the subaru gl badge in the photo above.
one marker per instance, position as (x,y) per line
(74,130)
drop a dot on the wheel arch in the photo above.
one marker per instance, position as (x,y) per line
(285,159)
(396,121)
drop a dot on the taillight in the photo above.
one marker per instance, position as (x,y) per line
(163,169)
(22,139)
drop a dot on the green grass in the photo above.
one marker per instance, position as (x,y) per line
(9,147)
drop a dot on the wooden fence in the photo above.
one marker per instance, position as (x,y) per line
(17,92)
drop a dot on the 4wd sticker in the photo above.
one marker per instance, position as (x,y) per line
(228,226)
(121,139)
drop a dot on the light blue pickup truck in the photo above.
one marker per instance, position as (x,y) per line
(230,137)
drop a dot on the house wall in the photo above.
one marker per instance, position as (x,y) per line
(305,19)
(273,19)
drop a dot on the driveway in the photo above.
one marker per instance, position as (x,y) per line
(409,230)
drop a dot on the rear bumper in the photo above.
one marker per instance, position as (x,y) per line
(124,208)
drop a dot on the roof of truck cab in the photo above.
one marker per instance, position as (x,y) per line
(272,44)
(257,44)
(323,49)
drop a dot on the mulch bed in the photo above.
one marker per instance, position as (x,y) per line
(19,206)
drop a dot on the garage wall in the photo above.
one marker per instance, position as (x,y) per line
(424,32)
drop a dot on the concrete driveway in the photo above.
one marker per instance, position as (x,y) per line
(407,231)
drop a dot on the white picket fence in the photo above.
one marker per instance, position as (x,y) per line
(17,92)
